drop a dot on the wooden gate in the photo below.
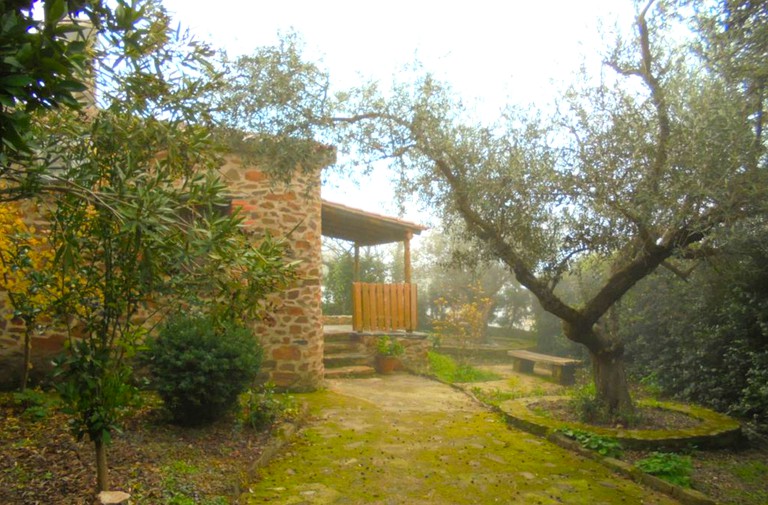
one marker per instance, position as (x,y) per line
(384,307)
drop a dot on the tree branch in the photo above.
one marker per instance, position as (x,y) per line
(657,95)
(485,232)
(683,274)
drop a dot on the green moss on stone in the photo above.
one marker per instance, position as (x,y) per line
(715,429)
(356,452)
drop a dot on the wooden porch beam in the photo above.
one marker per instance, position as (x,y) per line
(356,265)
(407,254)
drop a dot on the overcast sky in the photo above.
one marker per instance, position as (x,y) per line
(491,52)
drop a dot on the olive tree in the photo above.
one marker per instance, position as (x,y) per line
(642,165)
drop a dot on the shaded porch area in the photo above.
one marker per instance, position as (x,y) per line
(377,308)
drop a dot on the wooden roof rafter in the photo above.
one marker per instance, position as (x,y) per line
(365,228)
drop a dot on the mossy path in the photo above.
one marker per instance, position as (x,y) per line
(408,440)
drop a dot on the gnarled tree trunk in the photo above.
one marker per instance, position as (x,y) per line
(611,384)
(607,353)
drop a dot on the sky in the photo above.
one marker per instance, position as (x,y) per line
(492,53)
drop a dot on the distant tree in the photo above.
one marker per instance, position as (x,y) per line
(448,268)
(647,165)
(337,281)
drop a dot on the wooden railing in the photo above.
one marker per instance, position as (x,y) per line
(384,307)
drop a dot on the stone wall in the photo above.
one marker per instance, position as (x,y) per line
(416,346)
(292,337)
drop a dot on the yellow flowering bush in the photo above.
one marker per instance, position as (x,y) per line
(463,318)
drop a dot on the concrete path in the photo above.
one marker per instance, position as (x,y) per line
(404,439)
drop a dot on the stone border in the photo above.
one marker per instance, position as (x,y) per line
(279,437)
(684,495)
(716,431)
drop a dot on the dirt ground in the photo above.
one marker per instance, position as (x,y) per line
(156,462)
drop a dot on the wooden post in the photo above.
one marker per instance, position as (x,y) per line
(407,259)
(356,266)
(410,319)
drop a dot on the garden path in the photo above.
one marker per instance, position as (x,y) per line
(404,439)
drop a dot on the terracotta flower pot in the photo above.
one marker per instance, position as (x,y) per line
(387,364)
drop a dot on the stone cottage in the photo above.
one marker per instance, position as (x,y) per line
(293,337)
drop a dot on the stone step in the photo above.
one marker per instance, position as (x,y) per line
(346,359)
(345,336)
(349,371)
(343,347)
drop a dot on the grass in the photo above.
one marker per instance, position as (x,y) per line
(495,396)
(751,472)
(448,370)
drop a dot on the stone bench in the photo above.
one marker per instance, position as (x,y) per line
(563,369)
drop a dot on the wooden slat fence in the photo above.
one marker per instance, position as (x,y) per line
(384,307)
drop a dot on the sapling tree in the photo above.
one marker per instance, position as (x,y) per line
(640,167)
(134,197)
(463,316)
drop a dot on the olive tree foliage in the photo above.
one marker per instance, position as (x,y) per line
(134,204)
(641,165)
(272,105)
(735,42)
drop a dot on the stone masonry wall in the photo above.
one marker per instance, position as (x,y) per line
(293,336)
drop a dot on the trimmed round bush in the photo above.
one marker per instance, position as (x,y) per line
(199,366)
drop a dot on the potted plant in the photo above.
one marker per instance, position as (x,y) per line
(388,352)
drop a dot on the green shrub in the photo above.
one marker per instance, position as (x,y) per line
(590,410)
(389,346)
(602,445)
(262,407)
(587,406)
(706,340)
(199,366)
(669,466)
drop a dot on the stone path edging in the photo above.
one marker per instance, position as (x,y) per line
(280,436)
(714,431)
(684,495)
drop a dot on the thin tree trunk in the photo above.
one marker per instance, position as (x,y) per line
(102,471)
(27,356)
